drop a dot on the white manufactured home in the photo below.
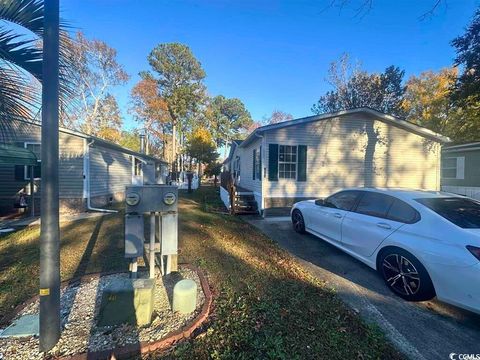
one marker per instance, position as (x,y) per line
(312,157)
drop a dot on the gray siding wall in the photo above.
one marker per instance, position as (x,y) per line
(70,164)
(246,166)
(471,171)
(355,151)
(110,171)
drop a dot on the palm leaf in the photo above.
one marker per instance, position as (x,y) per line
(25,53)
(20,53)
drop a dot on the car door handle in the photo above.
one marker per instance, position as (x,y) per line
(384,226)
(338,215)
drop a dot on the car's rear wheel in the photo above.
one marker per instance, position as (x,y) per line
(298,222)
(405,275)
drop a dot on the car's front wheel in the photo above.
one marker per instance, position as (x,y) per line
(405,275)
(298,222)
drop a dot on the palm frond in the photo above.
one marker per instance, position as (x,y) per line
(25,13)
(25,53)
(18,97)
(21,53)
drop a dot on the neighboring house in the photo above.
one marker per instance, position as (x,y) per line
(232,162)
(312,157)
(461,169)
(92,172)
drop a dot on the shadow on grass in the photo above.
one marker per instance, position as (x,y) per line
(266,306)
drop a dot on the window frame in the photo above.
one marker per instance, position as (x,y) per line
(288,162)
(359,195)
(456,168)
(26,168)
(413,221)
(386,217)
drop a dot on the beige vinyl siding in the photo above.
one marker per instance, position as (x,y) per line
(356,150)
(246,166)
(70,162)
(110,171)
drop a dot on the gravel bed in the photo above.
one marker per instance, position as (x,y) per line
(79,308)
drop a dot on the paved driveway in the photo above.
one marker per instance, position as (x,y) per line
(428,330)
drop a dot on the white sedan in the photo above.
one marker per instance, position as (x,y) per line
(424,244)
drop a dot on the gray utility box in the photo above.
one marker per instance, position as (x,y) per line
(149,173)
(151,198)
(134,235)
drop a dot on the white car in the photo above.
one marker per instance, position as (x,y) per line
(424,244)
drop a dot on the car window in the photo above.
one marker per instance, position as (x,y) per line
(374,204)
(344,200)
(402,212)
(462,212)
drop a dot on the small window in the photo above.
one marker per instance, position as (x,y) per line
(36,148)
(287,162)
(344,200)
(464,213)
(453,167)
(374,204)
(402,212)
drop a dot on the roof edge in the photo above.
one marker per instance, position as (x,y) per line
(382,116)
(96,139)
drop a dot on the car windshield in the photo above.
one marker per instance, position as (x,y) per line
(462,212)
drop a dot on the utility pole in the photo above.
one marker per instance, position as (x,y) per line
(50,230)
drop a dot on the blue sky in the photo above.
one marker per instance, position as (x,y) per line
(273,54)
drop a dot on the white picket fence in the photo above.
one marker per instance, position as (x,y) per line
(182,182)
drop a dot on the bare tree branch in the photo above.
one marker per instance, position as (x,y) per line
(366,6)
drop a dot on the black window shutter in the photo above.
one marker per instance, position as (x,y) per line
(19,173)
(273,162)
(254,160)
(302,163)
(19,169)
(260,164)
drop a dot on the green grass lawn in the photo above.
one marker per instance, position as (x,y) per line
(87,246)
(265,305)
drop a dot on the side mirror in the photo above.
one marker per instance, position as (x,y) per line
(320,202)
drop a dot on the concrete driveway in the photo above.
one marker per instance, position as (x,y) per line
(428,330)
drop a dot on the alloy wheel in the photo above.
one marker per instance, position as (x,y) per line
(401,274)
(298,222)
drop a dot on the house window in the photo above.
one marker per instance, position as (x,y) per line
(453,167)
(287,162)
(37,170)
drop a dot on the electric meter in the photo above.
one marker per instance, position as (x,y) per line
(151,198)
(132,199)
(169,198)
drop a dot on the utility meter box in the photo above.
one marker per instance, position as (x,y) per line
(149,173)
(151,198)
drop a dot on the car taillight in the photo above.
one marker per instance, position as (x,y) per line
(474,250)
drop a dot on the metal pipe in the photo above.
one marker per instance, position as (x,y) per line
(88,182)
(50,228)
(142,143)
(151,254)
